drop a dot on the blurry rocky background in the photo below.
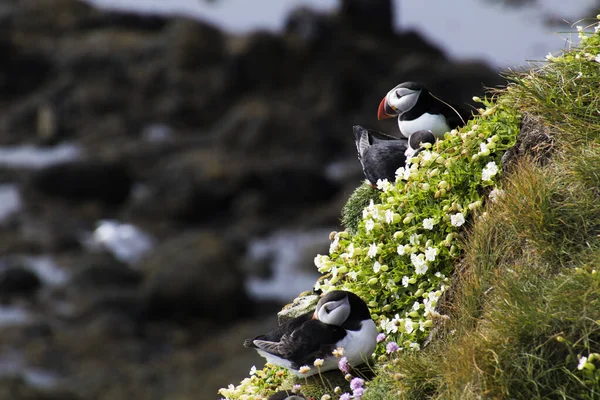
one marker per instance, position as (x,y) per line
(164,186)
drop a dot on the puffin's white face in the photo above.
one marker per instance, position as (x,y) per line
(402,99)
(334,312)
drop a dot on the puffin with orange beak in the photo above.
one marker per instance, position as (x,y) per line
(341,319)
(419,110)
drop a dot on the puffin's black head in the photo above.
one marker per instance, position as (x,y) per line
(339,307)
(416,139)
(400,99)
(286,395)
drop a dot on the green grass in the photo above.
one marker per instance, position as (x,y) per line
(509,305)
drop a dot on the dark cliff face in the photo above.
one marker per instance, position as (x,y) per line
(250,125)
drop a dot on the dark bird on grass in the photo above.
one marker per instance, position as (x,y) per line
(417,109)
(381,155)
(286,395)
(341,319)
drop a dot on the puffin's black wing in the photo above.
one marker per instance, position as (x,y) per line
(276,334)
(381,160)
(312,340)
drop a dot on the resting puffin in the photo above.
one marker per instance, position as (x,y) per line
(286,395)
(381,155)
(417,109)
(341,319)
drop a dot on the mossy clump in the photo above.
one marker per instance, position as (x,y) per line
(358,201)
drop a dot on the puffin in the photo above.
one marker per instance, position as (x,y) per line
(381,155)
(341,319)
(286,395)
(417,109)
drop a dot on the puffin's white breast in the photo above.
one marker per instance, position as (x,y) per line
(436,123)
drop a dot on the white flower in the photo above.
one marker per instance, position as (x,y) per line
(414,239)
(405,281)
(304,369)
(334,245)
(376,267)
(597,58)
(428,223)
(383,184)
(352,275)
(400,250)
(390,326)
(426,156)
(369,225)
(582,362)
(318,362)
(496,194)
(483,147)
(372,250)
(389,216)
(320,261)
(550,57)
(253,370)
(402,174)
(408,325)
(416,305)
(414,346)
(350,250)
(419,262)
(489,171)
(457,219)
(430,253)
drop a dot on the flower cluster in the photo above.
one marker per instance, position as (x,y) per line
(408,239)
(256,384)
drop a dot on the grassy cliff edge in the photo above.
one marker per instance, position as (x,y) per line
(479,263)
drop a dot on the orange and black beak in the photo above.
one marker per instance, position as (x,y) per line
(385,110)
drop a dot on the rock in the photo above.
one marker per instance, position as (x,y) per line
(106,273)
(288,184)
(309,25)
(301,305)
(257,63)
(16,281)
(21,388)
(195,185)
(105,182)
(376,17)
(535,139)
(193,44)
(195,275)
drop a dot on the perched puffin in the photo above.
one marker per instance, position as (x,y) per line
(417,109)
(341,319)
(381,155)
(286,395)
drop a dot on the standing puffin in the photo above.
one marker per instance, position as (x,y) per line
(381,155)
(417,109)
(341,319)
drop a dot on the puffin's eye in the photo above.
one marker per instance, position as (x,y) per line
(399,93)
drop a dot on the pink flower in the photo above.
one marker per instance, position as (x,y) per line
(380,337)
(356,383)
(345,396)
(391,347)
(343,365)
(358,393)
